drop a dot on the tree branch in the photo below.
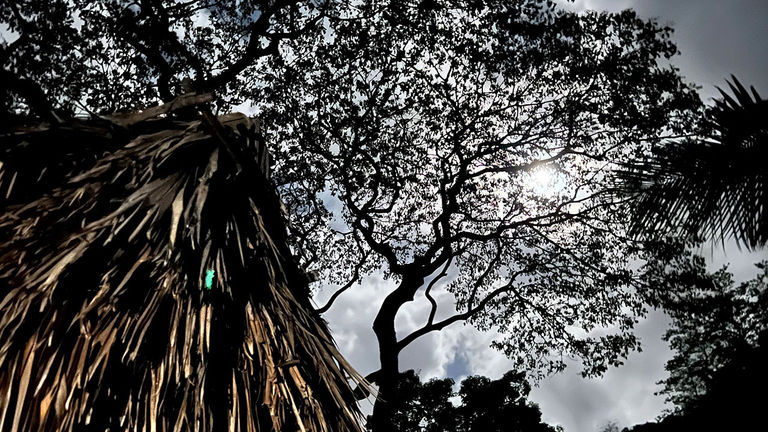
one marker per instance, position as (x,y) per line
(348,285)
(156,59)
(254,49)
(32,94)
(486,272)
(432,283)
(183,101)
(165,27)
(404,342)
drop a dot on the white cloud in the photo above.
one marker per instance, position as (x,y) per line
(624,395)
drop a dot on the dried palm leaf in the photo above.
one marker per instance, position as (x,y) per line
(146,284)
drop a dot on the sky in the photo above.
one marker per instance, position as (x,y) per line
(715,38)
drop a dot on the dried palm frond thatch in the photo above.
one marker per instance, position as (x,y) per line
(146,284)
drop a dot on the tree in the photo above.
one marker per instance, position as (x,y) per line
(499,405)
(719,335)
(713,186)
(427,134)
(425,124)
(710,187)
(486,405)
(715,323)
(733,399)
(421,406)
(611,426)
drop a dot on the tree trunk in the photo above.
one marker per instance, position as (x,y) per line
(389,351)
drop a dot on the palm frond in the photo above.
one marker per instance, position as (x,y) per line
(109,231)
(715,187)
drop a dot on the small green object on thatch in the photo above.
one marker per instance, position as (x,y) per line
(107,227)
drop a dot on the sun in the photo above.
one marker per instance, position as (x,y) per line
(542,176)
(543,181)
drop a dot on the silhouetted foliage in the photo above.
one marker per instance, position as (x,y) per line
(421,406)
(611,426)
(734,400)
(425,137)
(713,321)
(719,334)
(408,137)
(485,405)
(713,185)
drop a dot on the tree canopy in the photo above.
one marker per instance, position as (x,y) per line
(483,405)
(719,336)
(717,325)
(407,139)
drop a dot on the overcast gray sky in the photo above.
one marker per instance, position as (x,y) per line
(716,39)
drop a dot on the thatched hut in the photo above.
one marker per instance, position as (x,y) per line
(146,283)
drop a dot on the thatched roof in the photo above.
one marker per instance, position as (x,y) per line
(146,284)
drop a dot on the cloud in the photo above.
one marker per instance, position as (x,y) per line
(715,38)
(350,321)
(624,395)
